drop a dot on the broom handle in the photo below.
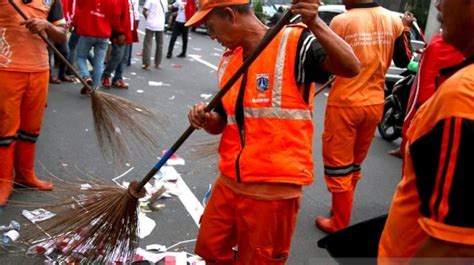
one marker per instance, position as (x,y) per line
(51,45)
(269,36)
(324,86)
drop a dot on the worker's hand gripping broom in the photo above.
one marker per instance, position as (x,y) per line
(104,223)
(118,122)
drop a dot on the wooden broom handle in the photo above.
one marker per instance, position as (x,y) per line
(51,45)
(269,36)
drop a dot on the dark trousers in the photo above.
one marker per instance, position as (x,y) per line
(64,50)
(178,29)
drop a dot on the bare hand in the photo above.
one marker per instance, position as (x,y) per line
(408,19)
(36,25)
(198,117)
(308,9)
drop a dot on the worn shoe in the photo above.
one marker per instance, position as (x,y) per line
(396,153)
(106,82)
(85,90)
(158,66)
(66,78)
(181,55)
(120,84)
(145,67)
(54,80)
(168,56)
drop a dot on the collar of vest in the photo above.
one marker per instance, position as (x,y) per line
(364,5)
(453,69)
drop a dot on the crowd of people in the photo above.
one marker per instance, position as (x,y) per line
(257,194)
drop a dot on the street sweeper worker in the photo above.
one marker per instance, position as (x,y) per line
(355,105)
(267,131)
(24,75)
(431,213)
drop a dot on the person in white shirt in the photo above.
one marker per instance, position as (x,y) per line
(154,12)
(179,29)
(136,14)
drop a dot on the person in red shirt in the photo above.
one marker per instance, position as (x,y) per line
(95,21)
(438,55)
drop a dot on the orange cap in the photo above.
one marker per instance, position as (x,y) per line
(206,6)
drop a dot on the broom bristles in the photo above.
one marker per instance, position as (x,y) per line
(205,149)
(98,226)
(122,125)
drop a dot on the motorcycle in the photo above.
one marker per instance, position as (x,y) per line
(395,106)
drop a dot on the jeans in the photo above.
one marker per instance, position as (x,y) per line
(73,40)
(148,44)
(84,46)
(178,29)
(117,61)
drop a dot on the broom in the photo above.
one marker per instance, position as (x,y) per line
(104,224)
(208,148)
(109,111)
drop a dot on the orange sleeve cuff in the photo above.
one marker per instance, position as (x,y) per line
(446,232)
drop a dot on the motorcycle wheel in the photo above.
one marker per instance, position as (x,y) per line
(388,127)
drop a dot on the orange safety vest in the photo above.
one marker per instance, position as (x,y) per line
(276,142)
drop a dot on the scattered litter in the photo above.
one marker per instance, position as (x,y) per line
(126,78)
(216,54)
(205,199)
(172,97)
(176,65)
(139,54)
(167,173)
(86,186)
(142,254)
(87,130)
(127,164)
(206,96)
(156,247)
(140,91)
(145,225)
(133,73)
(178,258)
(117,130)
(174,160)
(326,94)
(218,49)
(64,164)
(14,225)
(54,110)
(10,237)
(197,49)
(37,215)
(125,173)
(154,83)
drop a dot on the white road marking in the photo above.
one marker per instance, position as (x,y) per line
(206,63)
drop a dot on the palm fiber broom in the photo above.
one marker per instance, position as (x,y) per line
(104,223)
(119,123)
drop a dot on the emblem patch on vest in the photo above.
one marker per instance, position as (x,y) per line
(263,82)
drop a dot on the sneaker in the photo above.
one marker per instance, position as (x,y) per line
(86,90)
(54,80)
(145,67)
(120,84)
(182,55)
(105,82)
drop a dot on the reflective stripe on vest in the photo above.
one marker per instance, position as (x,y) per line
(28,137)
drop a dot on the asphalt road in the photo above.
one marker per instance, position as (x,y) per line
(67,142)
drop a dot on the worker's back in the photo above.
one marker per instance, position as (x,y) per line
(371,31)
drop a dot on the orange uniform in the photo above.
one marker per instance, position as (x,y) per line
(265,155)
(435,194)
(24,71)
(355,105)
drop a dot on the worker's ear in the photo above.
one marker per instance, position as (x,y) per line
(230,14)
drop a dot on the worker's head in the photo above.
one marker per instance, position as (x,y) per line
(457,20)
(223,19)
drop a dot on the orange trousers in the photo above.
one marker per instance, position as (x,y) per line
(348,133)
(261,229)
(22,103)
